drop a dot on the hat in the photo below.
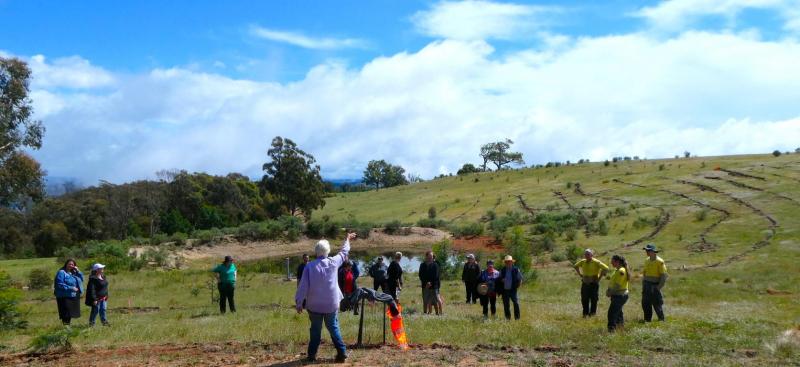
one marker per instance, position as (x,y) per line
(228,258)
(588,251)
(398,254)
(489,262)
(470,256)
(98,266)
(650,247)
(508,258)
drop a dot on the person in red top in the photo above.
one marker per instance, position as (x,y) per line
(348,274)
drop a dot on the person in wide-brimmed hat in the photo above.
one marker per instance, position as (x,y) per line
(653,280)
(508,283)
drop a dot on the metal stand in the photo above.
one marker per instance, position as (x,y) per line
(384,324)
(361,324)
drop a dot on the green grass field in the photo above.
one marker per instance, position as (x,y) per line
(732,292)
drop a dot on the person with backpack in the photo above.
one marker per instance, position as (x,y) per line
(68,287)
(97,294)
(378,272)
(618,292)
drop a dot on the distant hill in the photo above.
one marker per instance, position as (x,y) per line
(706,211)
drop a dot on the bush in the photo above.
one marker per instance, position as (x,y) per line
(207,236)
(776,153)
(557,257)
(572,252)
(289,222)
(113,254)
(10,316)
(39,279)
(544,244)
(701,215)
(56,340)
(519,247)
(172,221)
(260,231)
(432,212)
(319,228)
(179,238)
(499,225)
(392,227)
(431,223)
(570,234)
(642,222)
(442,251)
(554,223)
(470,229)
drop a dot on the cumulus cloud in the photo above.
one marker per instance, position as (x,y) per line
(301,40)
(430,110)
(68,72)
(478,19)
(678,14)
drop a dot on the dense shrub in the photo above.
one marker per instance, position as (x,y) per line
(113,254)
(39,279)
(701,215)
(642,222)
(519,247)
(545,243)
(55,340)
(432,212)
(10,316)
(431,223)
(470,229)
(443,250)
(557,257)
(207,236)
(172,221)
(179,238)
(499,225)
(554,223)
(392,227)
(260,231)
(572,252)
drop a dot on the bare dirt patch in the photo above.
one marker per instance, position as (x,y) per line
(417,239)
(479,243)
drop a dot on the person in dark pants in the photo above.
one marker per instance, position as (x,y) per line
(395,276)
(470,276)
(509,282)
(67,287)
(299,272)
(590,270)
(347,278)
(378,272)
(655,276)
(226,283)
(618,292)
(489,278)
(429,277)
(97,294)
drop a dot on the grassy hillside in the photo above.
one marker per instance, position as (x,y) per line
(731,240)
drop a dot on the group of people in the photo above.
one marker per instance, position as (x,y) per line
(592,270)
(68,288)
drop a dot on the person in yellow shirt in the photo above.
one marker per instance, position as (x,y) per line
(590,270)
(653,280)
(618,292)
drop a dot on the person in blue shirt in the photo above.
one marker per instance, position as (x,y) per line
(507,284)
(68,287)
(226,283)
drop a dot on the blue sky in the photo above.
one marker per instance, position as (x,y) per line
(128,88)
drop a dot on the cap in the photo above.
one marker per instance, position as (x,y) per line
(228,258)
(489,262)
(98,266)
(588,251)
(470,256)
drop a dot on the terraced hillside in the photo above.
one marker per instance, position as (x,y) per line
(704,212)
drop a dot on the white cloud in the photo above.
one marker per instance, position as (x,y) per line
(301,40)
(478,19)
(68,72)
(430,110)
(678,14)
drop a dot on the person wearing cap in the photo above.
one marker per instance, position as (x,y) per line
(97,294)
(507,283)
(653,280)
(226,283)
(395,276)
(590,270)
(320,289)
(429,277)
(489,278)
(378,273)
(470,276)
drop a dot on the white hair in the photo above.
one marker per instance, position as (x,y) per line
(323,248)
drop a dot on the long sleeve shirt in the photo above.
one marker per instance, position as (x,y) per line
(319,285)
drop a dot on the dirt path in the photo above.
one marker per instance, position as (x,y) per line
(418,239)
(262,354)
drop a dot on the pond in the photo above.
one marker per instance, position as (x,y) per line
(409,262)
